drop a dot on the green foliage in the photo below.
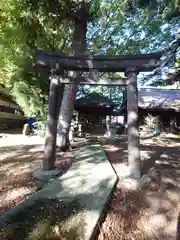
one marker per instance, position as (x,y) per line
(165,9)
(115,27)
(28,98)
(40,127)
(26,27)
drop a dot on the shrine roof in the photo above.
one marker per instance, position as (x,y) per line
(150,98)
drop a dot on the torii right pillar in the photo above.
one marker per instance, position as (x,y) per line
(133,126)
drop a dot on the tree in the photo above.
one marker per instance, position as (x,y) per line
(78,46)
(168,72)
(50,25)
(103,37)
(19,46)
(119,27)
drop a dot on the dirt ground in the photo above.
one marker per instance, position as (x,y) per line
(152,212)
(47,219)
(19,157)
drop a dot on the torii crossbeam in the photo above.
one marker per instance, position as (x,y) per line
(84,63)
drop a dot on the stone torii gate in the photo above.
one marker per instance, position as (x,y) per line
(131,65)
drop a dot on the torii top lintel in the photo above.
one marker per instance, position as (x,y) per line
(142,62)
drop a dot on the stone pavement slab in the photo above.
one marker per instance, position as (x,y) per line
(90,181)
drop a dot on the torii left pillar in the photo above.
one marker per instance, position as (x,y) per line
(133,128)
(49,169)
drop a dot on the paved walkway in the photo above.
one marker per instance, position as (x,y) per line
(89,181)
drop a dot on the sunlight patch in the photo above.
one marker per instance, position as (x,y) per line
(15,193)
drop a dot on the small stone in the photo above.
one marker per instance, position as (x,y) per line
(130,184)
(26,130)
(153,186)
(39,185)
(145,180)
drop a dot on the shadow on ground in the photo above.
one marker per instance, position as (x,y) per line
(17,164)
(151,213)
(55,218)
(46,219)
(68,203)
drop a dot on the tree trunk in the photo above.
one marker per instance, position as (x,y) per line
(65,116)
(69,96)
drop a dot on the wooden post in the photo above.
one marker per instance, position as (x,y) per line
(133,133)
(55,96)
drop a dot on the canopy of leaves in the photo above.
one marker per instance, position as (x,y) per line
(115,27)
(22,32)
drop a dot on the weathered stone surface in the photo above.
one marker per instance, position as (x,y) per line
(45,174)
(90,181)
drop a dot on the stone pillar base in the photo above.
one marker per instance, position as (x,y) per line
(133,184)
(45,175)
